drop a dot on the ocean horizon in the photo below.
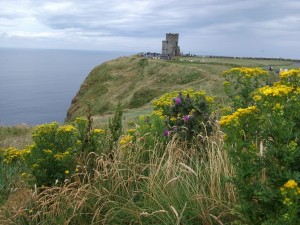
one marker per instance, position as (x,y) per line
(38,85)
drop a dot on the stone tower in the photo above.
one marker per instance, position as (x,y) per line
(170,45)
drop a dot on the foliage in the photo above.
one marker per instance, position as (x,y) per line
(263,143)
(179,189)
(11,168)
(115,127)
(241,82)
(186,113)
(54,155)
(291,200)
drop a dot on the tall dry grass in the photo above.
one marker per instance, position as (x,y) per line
(172,184)
(18,136)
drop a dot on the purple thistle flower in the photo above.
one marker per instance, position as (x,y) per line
(186,118)
(178,101)
(167,133)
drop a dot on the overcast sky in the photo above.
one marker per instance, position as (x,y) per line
(255,28)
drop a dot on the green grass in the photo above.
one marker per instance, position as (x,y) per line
(130,117)
(135,81)
(247,62)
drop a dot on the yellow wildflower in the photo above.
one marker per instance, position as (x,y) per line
(98,131)
(278,106)
(10,154)
(125,140)
(173,118)
(66,128)
(290,73)
(257,98)
(47,151)
(291,184)
(247,72)
(209,99)
(227,120)
(159,113)
(131,131)
(62,155)
(276,90)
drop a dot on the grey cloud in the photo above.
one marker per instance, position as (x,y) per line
(202,25)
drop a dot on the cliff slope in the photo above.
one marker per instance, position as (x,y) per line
(134,81)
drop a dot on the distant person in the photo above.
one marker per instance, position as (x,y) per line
(271,68)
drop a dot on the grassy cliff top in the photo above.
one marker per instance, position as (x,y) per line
(134,81)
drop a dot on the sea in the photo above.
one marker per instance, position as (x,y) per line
(38,85)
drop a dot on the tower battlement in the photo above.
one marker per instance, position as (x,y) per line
(170,45)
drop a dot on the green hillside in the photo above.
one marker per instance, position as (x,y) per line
(134,81)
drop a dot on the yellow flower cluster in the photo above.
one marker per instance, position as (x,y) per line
(125,140)
(257,98)
(47,151)
(27,149)
(167,98)
(227,120)
(131,131)
(173,119)
(10,154)
(290,73)
(45,128)
(209,99)
(80,122)
(98,131)
(290,184)
(159,113)
(61,156)
(290,191)
(248,72)
(66,129)
(278,106)
(276,90)
(192,93)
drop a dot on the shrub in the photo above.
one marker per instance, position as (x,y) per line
(54,155)
(186,113)
(264,147)
(290,192)
(241,82)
